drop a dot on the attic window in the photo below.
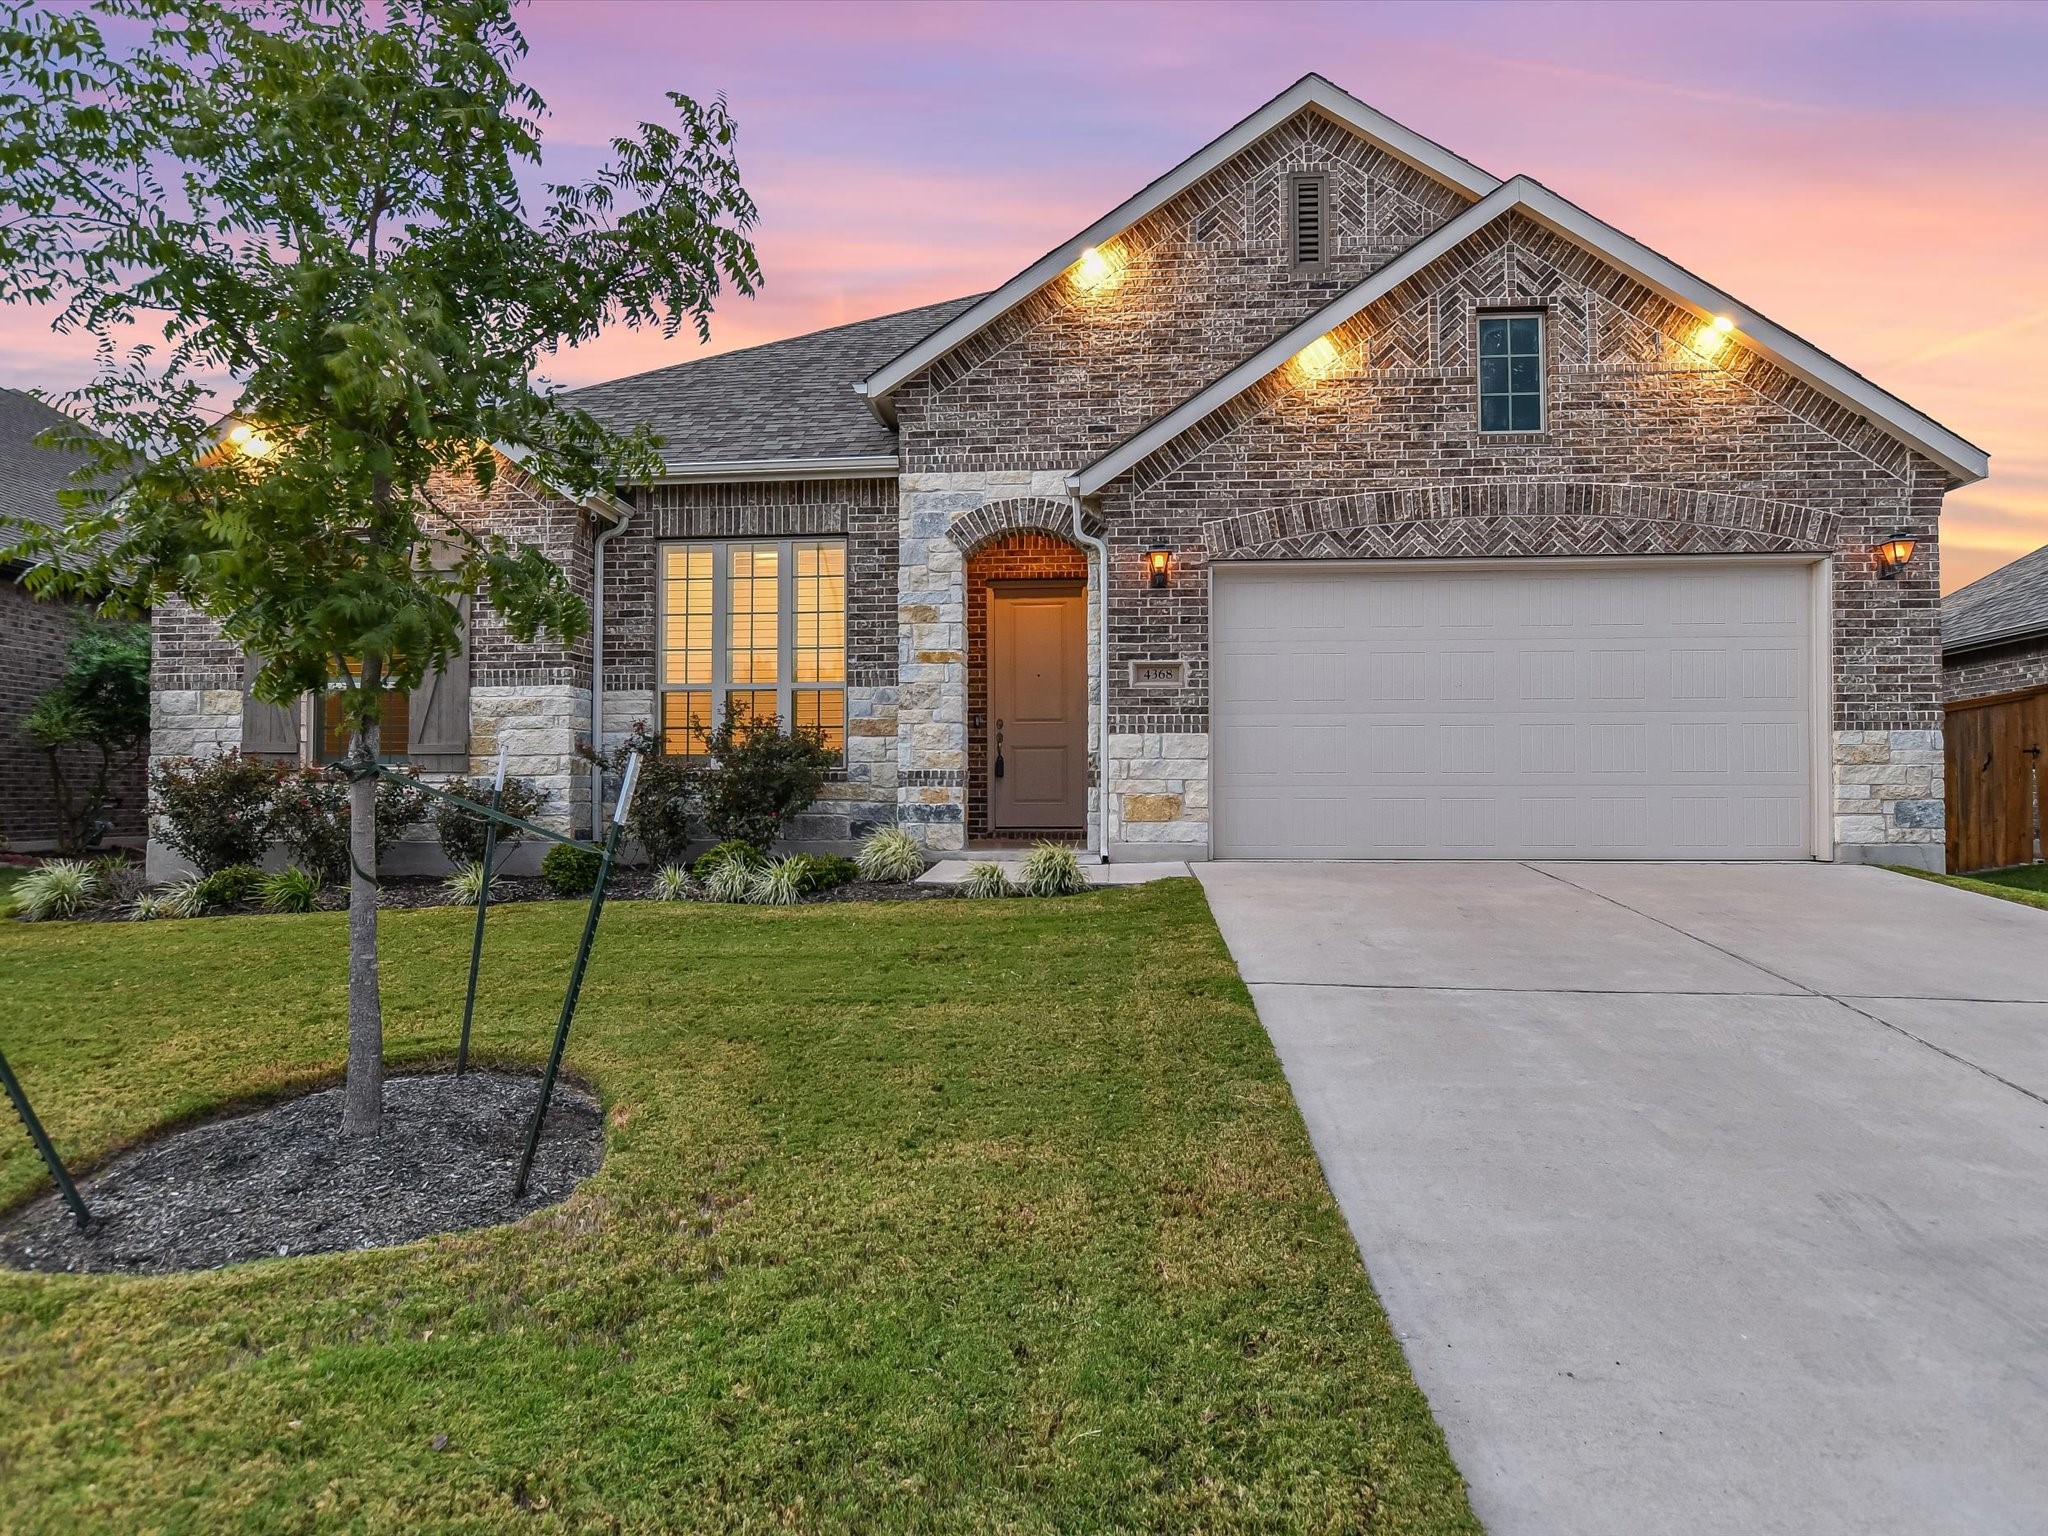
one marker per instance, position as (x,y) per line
(1308,204)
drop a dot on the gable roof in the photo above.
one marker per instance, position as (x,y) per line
(764,407)
(31,475)
(1844,385)
(1311,91)
(2008,604)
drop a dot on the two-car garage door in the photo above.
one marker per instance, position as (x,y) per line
(1547,710)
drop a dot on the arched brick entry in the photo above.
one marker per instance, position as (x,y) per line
(1025,551)
(1020,514)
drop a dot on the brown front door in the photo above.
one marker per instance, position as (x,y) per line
(1038,706)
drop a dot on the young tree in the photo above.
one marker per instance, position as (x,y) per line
(101,705)
(315,204)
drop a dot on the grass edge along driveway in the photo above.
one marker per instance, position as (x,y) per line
(914,1217)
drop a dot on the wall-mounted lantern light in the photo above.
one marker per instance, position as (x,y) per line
(1159,562)
(1894,554)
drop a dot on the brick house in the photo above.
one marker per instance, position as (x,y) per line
(1994,632)
(1330,497)
(35,637)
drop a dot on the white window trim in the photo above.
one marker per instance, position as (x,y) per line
(1542,373)
(721,637)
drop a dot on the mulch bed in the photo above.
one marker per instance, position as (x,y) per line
(281,1181)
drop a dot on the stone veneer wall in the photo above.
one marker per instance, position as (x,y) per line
(942,519)
(536,697)
(35,639)
(1997,669)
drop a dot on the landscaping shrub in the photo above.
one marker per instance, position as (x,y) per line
(466,883)
(781,884)
(1051,869)
(59,888)
(744,854)
(987,881)
(672,882)
(289,890)
(823,871)
(569,870)
(891,854)
(761,776)
(664,801)
(733,880)
(119,881)
(235,886)
(178,899)
(309,816)
(214,810)
(462,832)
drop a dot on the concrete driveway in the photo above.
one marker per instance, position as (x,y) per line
(1705,1198)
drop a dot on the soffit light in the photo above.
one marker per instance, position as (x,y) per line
(1095,267)
(248,440)
(1318,358)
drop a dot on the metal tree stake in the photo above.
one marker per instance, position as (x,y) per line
(37,1135)
(483,903)
(604,876)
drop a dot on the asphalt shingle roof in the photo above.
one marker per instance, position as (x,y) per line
(788,399)
(2011,601)
(30,476)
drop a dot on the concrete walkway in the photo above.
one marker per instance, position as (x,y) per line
(1705,1198)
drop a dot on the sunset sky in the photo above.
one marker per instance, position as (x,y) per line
(1871,177)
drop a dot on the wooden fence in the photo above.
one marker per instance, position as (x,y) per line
(1995,780)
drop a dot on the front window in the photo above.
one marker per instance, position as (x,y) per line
(757,625)
(394,733)
(1510,373)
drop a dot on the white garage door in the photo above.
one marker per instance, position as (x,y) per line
(1540,711)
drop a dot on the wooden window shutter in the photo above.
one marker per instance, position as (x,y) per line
(268,730)
(1308,214)
(440,711)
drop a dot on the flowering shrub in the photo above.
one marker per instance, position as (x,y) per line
(664,801)
(463,833)
(213,810)
(762,776)
(309,815)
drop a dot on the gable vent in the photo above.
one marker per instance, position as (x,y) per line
(1309,206)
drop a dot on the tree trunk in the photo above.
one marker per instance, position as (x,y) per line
(362,1100)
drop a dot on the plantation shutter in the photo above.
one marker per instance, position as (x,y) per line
(268,730)
(440,711)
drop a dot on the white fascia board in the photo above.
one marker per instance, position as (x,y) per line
(1839,383)
(861,466)
(603,503)
(1310,91)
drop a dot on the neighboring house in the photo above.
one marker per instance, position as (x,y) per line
(1994,635)
(35,636)
(1994,632)
(1330,497)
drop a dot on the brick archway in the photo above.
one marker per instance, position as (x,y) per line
(1024,552)
(1041,515)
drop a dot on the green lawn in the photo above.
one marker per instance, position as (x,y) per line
(914,1217)
(2025,883)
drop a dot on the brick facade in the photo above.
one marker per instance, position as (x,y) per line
(1658,440)
(534,697)
(1990,669)
(35,637)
